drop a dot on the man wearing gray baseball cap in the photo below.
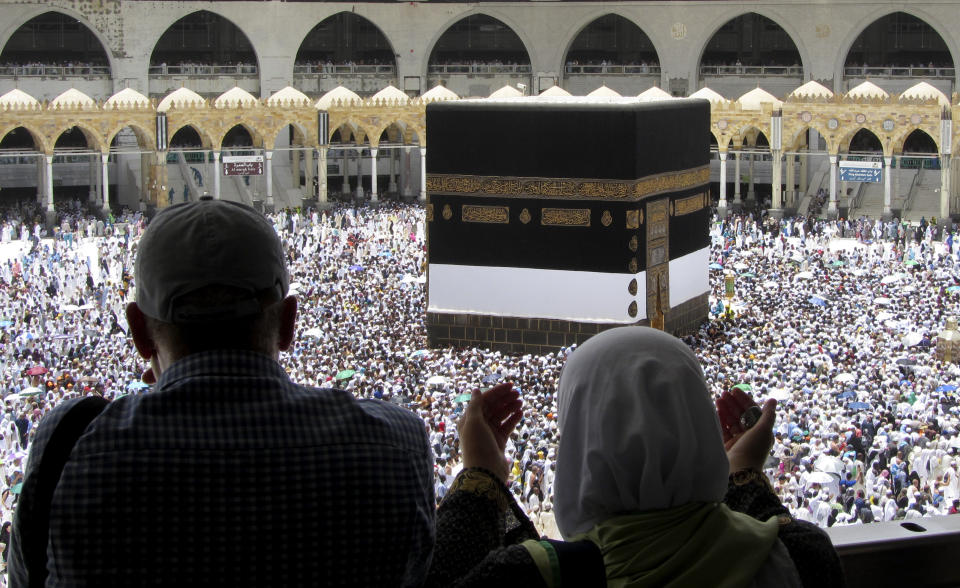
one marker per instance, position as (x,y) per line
(227,473)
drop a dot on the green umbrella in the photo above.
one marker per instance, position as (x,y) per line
(911,262)
(838,263)
(17,488)
(748,275)
(744,387)
(344,374)
(462,398)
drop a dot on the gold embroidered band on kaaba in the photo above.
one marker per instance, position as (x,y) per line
(572,188)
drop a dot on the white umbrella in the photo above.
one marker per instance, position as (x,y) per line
(436,381)
(882,300)
(843,378)
(820,478)
(315,332)
(770,284)
(884,316)
(911,339)
(890,279)
(804,275)
(780,394)
(829,465)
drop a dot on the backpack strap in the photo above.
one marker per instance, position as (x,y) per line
(27,565)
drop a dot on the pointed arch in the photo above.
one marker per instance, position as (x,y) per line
(209,34)
(60,22)
(346,37)
(613,38)
(889,40)
(509,46)
(753,39)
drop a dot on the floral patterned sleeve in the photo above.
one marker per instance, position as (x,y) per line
(817,562)
(479,531)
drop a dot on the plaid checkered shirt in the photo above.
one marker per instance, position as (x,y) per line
(229,474)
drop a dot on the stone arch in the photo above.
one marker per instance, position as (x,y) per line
(797,139)
(256,139)
(300,134)
(846,141)
(514,27)
(46,8)
(40,142)
(898,142)
(146,138)
(214,12)
(92,136)
(748,135)
(583,24)
(206,141)
(785,24)
(846,44)
(388,52)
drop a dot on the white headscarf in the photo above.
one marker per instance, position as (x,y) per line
(638,430)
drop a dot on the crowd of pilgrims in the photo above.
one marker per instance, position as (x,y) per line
(837,320)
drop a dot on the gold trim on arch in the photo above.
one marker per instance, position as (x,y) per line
(567,188)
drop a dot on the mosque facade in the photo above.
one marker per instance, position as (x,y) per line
(803,110)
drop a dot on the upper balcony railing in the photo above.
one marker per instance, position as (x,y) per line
(751,70)
(479,68)
(612,69)
(54,71)
(342,69)
(240,69)
(904,72)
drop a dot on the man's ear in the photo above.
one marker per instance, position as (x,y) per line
(142,340)
(288,323)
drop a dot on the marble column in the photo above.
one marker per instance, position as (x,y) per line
(322,174)
(736,184)
(373,174)
(887,185)
(723,180)
(832,207)
(776,181)
(944,186)
(105,180)
(216,175)
(423,174)
(49,179)
(268,170)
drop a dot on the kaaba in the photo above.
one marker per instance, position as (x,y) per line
(551,220)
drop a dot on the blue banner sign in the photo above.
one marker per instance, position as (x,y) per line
(860,171)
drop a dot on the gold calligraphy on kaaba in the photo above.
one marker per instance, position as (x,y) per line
(633,244)
(447,212)
(606,218)
(572,188)
(633,219)
(429,212)
(485,214)
(565,217)
(690,204)
(525,216)
(658,219)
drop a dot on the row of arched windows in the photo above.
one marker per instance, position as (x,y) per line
(204,39)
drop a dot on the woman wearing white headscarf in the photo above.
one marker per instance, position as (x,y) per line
(642,472)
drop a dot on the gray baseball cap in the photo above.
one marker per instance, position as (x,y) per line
(205,243)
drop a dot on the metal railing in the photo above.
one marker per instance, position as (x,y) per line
(752,70)
(905,72)
(240,69)
(55,71)
(479,68)
(612,69)
(342,69)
